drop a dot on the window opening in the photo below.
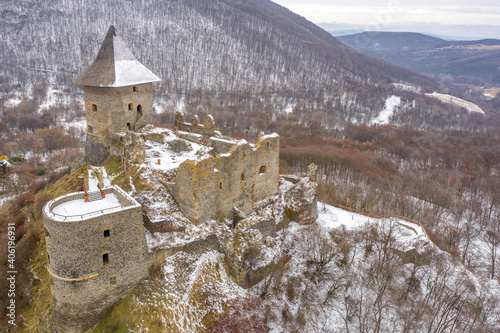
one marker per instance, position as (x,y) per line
(242,177)
(130,106)
(220,186)
(105,259)
(47,234)
(106,233)
(112,280)
(89,129)
(94,107)
(134,89)
(262,169)
(128,126)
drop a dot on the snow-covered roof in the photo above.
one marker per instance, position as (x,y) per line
(77,209)
(115,66)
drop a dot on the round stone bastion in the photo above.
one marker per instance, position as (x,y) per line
(96,253)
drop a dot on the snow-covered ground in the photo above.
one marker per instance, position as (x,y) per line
(78,124)
(94,171)
(3,200)
(469,106)
(167,158)
(390,105)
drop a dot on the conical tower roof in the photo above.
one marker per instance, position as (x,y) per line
(115,66)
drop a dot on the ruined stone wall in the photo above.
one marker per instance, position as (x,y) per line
(130,146)
(211,187)
(266,166)
(207,129)
(193,182)
(221,146)
(236,177)
(113,110)
(83,286)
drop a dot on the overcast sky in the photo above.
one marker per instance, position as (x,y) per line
(368,13)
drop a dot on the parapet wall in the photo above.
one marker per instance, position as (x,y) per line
(211,187)
(207,129)
(93,259)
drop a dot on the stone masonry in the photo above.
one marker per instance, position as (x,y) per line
(118,94)
(212,186)
(93,259)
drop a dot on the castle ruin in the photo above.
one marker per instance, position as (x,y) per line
(96,248)
(237,176)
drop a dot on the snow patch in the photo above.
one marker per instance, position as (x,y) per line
(469,106)
(80,207)
(390,104)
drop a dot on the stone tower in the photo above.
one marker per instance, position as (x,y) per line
(96,253)
(118,95)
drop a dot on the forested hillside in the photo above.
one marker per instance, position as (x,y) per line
(217,46)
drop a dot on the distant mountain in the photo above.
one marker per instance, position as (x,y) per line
(474,62)
(445,31)
(390,41)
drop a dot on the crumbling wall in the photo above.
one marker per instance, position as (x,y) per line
(195,189)
(212,187)
(130,146)
(207,129)
(266,166)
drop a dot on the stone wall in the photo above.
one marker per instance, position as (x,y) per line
(211,242)
(113,110)
(83,285)
(211,187)
(207,129)
(130,146)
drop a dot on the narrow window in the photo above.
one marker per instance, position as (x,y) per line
(134,89)
(47,234)
(130,106)
(268,144)
(106,233)
(242,177)
(112,280)
(220,186)
(262,169)
(105,259)
(244,154)
(139,109)
(90,129)
(128,126)
(94,107)
(48,258)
